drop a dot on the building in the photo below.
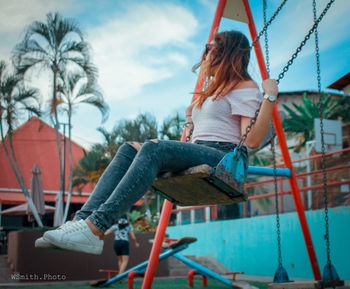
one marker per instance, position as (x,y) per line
(342,84)
(35,143)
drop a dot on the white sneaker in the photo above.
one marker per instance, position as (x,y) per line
(43,244)
(75,236)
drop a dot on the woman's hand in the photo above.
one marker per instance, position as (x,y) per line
(188,123)
(189,130)
(261,126)
(270,86)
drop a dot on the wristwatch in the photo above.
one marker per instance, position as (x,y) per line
(270,97)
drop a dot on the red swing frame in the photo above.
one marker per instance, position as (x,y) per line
(167,206)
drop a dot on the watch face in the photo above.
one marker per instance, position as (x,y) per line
(271,97)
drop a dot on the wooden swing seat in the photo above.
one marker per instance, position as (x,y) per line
(197,186)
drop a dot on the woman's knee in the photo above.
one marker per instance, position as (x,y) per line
(150,147)
(135,145)
(153,143)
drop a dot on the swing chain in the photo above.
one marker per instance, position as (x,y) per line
(268,23)
(273,148)
(314,27)
(264,30)
(323,167)
(317,48)
(267,56)
(286,68)
(248,129)
(323,159)
(278,226)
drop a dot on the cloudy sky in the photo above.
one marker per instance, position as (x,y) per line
(145,50)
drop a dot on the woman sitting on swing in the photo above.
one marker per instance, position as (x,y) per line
(218,119)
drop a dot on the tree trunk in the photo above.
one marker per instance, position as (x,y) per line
(70,167)
(59,202)
(147,209)
(19,176)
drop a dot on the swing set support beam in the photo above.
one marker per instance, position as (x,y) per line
(167,206)
(285,153)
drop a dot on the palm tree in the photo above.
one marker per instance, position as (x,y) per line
(343,108)
(301,120)
(14,99)
(110,145)
(53,46)
(76,89)
(92,165)
(142,128)
(90,168)
(172,128)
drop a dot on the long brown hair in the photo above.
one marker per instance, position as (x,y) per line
(224,64)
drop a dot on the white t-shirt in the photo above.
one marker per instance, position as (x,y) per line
(220,120)
(121,234)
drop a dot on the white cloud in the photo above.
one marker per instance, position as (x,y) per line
(15,15)
(135,49)
(211,5)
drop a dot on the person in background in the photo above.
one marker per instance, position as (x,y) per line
(122,230)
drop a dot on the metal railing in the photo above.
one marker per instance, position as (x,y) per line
(339,177)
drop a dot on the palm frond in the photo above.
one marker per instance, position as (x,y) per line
(2,68)
(17,98)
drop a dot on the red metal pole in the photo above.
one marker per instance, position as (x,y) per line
(204,281)
(285,153)
(190,275)
(157,245)
(166,211)
(131,277)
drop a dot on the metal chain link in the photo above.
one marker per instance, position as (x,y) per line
(286,68)
(317,49)
(278,226)
(273,149)
(312,30)
(323,159)
(268,23)
(248,129)
(267,55)
(323,167)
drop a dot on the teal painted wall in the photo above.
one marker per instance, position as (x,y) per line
(250,244)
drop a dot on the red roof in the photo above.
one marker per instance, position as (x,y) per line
(341,83)
(35,143)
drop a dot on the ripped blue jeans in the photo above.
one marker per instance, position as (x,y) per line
(131,173)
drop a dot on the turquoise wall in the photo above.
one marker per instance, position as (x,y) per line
(250,244)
